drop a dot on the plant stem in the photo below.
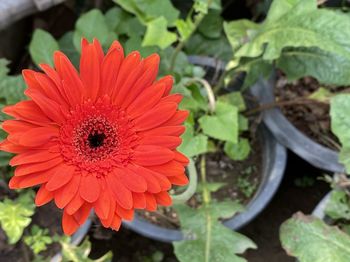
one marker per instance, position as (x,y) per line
(208,89)
(300,101)
(191,189)
(206,192)
(182,43)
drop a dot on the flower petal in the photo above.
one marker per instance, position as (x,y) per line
(151,203)
(131,180)
(26,169)
(65,194)
(163,198)
(38,136)
(148,155)
(90,70)
(170,142)
(89,188)
(156,116)
(43,196)
(120,192)
(139,200)
(69,224)
(63,174)
(74,204)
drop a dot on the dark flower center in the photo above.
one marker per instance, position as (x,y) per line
(96,139)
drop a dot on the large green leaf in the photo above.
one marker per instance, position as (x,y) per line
(223,125)
(208,240)
(147,10)
(42,46)
(91,25)
(15,215)
(193,145)
(311,240)
(328,68)
(340,124)
(305,40)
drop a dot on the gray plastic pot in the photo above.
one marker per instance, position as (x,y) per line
(274,161)
(13,10)
(289,136)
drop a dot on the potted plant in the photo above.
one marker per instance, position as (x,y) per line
(292,41)
(216,130)
(325,234)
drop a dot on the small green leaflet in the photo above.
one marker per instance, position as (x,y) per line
(157,34)
(338,205)
(38,240)
(238,151)
(15,215)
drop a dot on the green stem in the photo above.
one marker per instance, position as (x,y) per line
(191,189)
(182,43)
(208,90)
(206,192)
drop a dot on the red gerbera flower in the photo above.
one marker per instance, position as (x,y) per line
(105,139)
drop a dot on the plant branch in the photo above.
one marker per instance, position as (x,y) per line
(299,101)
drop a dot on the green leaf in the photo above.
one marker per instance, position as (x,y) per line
(211,25)
(42,46)
(135,43)
(282,7)
(38,240)
(91,25)
(338,205)
(185,28)
(223,125)
(238,151)
(67,47)
(311,240)
(212,241)
(340,125)
(239,32)
(328,68)
(158,35)
(15,215)
(114,17)
(234,98)
(217,48)
(303,39)
(147,10)
(80,253)
(193,145)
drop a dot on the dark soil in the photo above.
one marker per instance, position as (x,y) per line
(311,118)
(241,178)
